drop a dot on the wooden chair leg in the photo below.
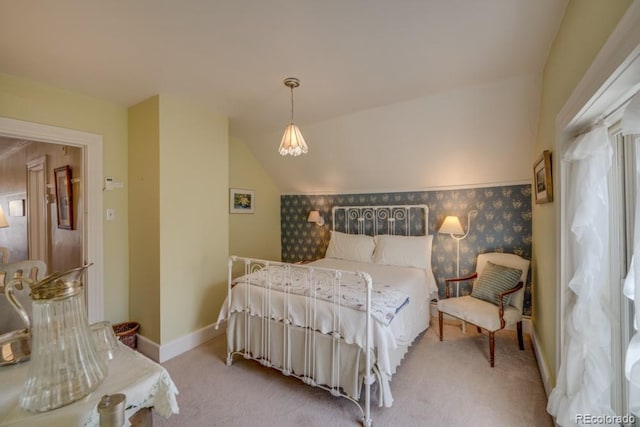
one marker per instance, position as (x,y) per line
(440,323)
(492,344)
(520,340)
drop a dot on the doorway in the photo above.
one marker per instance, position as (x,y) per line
(91,180)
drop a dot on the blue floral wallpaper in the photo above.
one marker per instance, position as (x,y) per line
(503,224)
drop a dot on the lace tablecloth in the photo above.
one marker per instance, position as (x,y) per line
(144,383)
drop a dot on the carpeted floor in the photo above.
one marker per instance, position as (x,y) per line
(447,383)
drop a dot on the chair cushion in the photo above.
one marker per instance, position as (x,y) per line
(494,280)
(479,312)
(510,260)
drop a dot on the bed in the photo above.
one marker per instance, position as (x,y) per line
(342,323)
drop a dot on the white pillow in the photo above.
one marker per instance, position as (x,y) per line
(403,251)
(350,247)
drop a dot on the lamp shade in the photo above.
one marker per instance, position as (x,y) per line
(3,219)
(451,225)
(314,216)
(292,142)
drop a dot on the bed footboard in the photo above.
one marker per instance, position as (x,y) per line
(293,318)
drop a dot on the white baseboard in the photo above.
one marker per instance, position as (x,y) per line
(542,364)
(149,348)
(168,351)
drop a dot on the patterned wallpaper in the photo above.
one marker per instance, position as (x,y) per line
(503,224)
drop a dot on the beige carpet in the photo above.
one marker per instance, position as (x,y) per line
(445,383)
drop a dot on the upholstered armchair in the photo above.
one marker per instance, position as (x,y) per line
(496,300)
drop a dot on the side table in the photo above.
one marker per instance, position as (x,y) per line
(145,384)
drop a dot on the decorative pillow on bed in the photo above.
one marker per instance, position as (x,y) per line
(403,251)
(350,247)
(494,280)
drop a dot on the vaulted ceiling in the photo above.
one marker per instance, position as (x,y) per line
(232,56)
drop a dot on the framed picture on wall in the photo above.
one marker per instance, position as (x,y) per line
(241,201)
(64,197)
(16,207)
(542,180)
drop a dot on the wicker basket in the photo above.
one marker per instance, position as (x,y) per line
(126,333)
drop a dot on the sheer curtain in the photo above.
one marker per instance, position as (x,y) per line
(585,375)
(630,125)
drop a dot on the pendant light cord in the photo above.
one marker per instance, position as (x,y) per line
(291,104)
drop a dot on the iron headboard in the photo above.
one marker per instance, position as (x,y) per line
(407,220)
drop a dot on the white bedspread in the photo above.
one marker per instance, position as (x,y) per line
(410,321)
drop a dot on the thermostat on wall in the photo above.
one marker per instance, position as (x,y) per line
(111,184)
(108,183)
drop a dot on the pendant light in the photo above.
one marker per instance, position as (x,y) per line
(292,141)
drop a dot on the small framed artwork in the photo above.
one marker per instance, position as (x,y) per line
(16,207)
(241,201)
(64,197)
(542,180)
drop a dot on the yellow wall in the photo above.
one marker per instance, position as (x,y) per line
(179,223)
(585,28)
(194,220)
(180,170)
(24,100)
(144,216)
(253,235)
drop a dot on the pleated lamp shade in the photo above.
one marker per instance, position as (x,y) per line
(292,143)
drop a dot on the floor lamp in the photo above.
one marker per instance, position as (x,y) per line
(451,225)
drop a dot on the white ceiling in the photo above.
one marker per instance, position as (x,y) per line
(232,56)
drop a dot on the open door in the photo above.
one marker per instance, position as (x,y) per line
(38,222)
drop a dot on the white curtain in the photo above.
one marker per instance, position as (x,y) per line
(632,291)
(585,375)
(631,126)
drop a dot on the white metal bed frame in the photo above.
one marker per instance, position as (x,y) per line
(376,220)
(373,220)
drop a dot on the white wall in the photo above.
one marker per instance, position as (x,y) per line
(477,135)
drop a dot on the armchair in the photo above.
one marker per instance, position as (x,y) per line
(496,300)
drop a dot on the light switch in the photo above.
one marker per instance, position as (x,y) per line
(111,214)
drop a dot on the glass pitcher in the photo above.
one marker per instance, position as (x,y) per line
(65,365)
(15,328)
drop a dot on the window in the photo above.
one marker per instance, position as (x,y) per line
(622,200)
(599,215)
